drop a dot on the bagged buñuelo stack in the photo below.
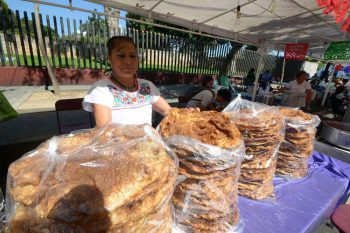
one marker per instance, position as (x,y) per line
(115,179)
(297,146)
(210,150)
(262,127)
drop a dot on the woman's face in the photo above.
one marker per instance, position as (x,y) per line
(301,78)
(124,60)
(210,84)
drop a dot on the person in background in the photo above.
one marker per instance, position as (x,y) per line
(346,84)
(249,81)
(224,81)
(216,82)
(121,97)
(265,89)
(339,100)
(200,78)
(265,78)
(299,91)
(205,99)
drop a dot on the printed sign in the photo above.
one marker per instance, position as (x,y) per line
(295,51)
(338,51)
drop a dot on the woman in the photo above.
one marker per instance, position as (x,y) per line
(339,100)
(121,97)
(249,81)
(205,97)
(299,91)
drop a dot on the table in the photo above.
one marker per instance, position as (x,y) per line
(300,205)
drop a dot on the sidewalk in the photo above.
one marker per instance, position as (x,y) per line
(36,108)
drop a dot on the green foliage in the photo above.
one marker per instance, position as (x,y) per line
(252,48)
(186,35)
(31,25)
(94,21)
(4,13)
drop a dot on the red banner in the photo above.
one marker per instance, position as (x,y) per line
(295,51)
(339,9)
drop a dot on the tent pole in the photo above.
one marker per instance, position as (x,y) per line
(328,86)
(257,74)
(283,66)
(43,51)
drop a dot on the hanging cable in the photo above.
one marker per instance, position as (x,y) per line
(238,14)
(271,8)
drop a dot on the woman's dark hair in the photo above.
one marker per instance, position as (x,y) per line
(339,89)
(300,73)
(252,70)
(225,94)
(206,80)
(113,41)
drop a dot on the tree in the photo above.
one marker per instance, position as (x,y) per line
(5,14)
(199,41)
(94,25)
(4,9)
(235,47)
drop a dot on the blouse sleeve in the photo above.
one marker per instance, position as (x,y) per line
(155,94)
(98,95)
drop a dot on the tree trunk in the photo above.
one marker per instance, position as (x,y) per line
(229,57)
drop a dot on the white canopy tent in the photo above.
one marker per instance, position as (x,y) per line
(264,23)
(268,24)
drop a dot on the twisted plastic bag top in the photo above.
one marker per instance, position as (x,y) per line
(298,119)
(251,114)
(210,135)
(100,180)
(2,213)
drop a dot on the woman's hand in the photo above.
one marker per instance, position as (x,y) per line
(161,106)
(102,114)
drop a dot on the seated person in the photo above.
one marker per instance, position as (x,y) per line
(265,89)
(224,81)
(208,100)
(339,100)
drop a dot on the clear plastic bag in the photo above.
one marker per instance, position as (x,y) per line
(297,146)
(116,179)
(262,127)
(2,213)
(206,200)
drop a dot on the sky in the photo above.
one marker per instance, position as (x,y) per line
(22,6)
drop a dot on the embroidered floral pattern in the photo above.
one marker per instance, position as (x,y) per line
(131,99)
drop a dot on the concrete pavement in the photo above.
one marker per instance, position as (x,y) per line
(36,108)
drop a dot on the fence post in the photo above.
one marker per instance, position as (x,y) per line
(258,70)
(12,22)
(43,51)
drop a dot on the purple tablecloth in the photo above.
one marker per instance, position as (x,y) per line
(302,205)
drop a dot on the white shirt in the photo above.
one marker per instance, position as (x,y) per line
(340,96)
(347,85)
(262,92)
(297,93)
(127,107)
(202,98)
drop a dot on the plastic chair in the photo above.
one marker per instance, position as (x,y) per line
(65,105)
(340,218)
